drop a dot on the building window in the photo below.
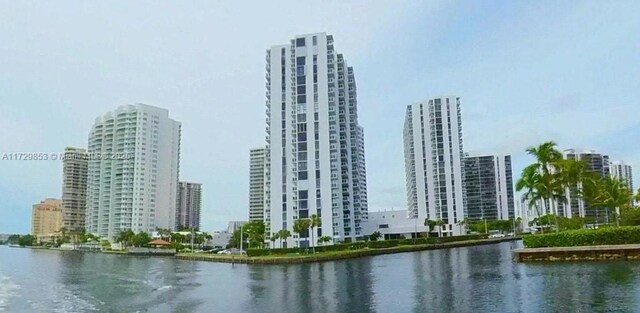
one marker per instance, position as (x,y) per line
(300,42)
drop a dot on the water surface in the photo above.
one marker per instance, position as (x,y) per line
(470,279)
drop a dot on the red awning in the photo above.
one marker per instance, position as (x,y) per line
(159,242)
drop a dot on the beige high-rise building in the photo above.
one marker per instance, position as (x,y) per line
(257,170)
(74,188)
(46,217)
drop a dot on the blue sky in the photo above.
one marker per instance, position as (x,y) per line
(526,72)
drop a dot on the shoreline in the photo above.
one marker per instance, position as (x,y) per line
(338,255)
(578,253)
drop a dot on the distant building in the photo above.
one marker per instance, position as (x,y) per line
(235,225)
(219,239)
(433,156)
(74,189)
(257,172)
(134,159)
(489,187)
(46,218)
(575,205)
(189,205)
(623,172)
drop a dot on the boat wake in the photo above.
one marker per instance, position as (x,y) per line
(8,290)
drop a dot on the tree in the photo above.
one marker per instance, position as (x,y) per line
(178,238)
(255,231)
(465,222)
(141,239)
(13,239)
(125,237)
(315,221)
(26,240)
(300,226)
(164,233)
(324,239)
(630,216)
(234,241)
(375,236)
(273,238)
(518,225)
(431,224)
(544,180)
(612,193)
(283,234)
(439,223)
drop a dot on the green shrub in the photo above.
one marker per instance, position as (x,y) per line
(382,244)
(585,237)
(279,251)
(361,245)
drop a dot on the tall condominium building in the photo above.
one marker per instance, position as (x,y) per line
(623,172)
(433,162)
(46,217)
(575,205)
(189,205)
(315,147)
(74,189)
(134,157)
(257,171)
(488,185)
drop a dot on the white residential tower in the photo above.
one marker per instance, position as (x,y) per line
(433,162)
(315,146)
(134,157)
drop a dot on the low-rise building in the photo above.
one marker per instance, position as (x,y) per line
(394,224)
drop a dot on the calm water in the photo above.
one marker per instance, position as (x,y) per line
(475,279)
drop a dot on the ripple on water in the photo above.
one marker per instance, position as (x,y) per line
(61,298)
(8,290)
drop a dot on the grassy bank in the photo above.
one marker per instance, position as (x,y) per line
(585,237)
(335,255)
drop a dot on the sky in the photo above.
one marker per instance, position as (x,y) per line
(526,72)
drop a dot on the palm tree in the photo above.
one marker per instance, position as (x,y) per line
(273,239)
(544,180)
(548,158)
(324,239)
(315,222)
(125,237)
(439,223)
(164,233)
(613,193)
(283,234)
(465,222)
(300,226)
(429,223)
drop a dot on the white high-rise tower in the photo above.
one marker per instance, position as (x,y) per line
(134,157)
(433,162)
(622,171)
(315,147)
